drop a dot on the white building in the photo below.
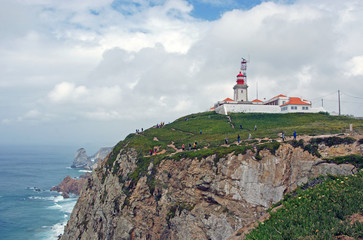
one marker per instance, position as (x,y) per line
(278,104)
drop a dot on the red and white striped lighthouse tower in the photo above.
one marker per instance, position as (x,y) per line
(240,89)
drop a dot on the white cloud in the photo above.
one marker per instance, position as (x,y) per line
(67,92)
(76,61)
(103,115)
(355,66)
(80,96)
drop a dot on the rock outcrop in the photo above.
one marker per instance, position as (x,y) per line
(190,198)
(81,160)
(70,185)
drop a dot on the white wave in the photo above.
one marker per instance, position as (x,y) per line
(67,207)
(58,198)
(89,171)
(52,232)
(56,206)
(41,198)
(68,167)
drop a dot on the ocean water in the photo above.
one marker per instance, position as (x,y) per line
(28,209)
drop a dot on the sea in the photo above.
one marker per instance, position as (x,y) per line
(28,209)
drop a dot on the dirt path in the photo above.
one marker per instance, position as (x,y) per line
(230,121)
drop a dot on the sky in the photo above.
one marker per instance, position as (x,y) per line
(88,73)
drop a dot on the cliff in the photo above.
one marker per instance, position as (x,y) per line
(204,197)
(82,160)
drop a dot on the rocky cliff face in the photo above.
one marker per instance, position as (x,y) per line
(190,199)
(81,160)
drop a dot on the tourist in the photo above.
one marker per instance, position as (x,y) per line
(155,151)
(240,126)
(238,138)
(226,140)
(183,146)
(151,152)
(283,136)
(190,146)
(249,136)
(255,127)
(294,135)
(200,131)
(194,145)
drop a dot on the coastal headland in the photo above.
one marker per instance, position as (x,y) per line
(211,176)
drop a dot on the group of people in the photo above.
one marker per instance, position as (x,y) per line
(255,129)
(190,146)
(283,135)
(160,125)
(153,150)
(138,130)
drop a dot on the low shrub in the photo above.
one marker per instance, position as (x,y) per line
(317,211)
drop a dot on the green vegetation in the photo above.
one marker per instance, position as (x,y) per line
(215,129)
(356,160)
(331,141)
(179,206)
(317,212)
(272,146)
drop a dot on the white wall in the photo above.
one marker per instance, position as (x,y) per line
(247,108)
(299,109)
(254,108)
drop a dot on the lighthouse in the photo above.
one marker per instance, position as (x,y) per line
(240,89)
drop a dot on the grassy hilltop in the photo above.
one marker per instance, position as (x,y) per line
(216,127)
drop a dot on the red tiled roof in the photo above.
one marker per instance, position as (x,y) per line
(228,100)
(256,100)
(212,108)
(295,101)
(279,96)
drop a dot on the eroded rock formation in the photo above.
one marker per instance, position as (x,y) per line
(70,185)
(190,198)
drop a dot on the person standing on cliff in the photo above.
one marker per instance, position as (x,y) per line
(238,138)
(190,146)
(183,147)
(151,152)
(294,135)
(255,127)
(226,140)
(283,136)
